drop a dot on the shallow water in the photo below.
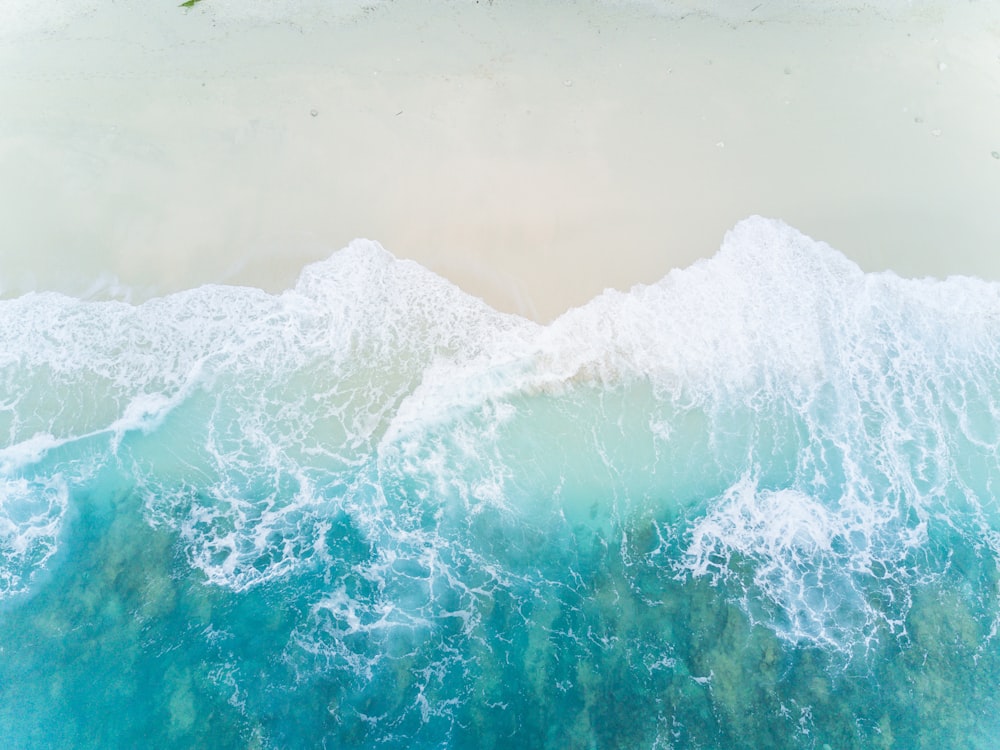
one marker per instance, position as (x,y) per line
(752,505)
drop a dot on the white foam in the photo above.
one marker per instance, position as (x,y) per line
(780,338)
(303,384)
(31,518)
(249,420)
(14,457)
(764,305)
(810,560)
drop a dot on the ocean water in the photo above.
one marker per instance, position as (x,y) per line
(751,505)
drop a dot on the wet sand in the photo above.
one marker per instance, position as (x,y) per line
(533,155)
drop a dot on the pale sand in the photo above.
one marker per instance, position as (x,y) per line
(534,153)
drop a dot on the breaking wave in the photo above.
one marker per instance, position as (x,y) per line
(685,499)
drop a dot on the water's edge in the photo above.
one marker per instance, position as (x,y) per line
(749,505)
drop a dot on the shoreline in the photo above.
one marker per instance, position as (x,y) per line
(534,156)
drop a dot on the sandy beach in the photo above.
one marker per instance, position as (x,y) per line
(532,153)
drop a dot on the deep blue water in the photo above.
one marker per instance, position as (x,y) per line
(752,505)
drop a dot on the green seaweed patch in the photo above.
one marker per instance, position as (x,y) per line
(189,4)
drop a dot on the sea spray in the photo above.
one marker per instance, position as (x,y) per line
(750,505)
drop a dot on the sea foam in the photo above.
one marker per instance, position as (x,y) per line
(770,437)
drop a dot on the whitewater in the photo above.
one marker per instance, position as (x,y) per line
(750,505)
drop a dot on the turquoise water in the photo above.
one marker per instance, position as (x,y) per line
(752,505)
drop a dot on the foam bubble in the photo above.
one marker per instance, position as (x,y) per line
(808,565)
(31,518)
(30,451)
(772,405)
(856,401)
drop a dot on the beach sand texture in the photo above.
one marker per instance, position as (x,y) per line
(533,153)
